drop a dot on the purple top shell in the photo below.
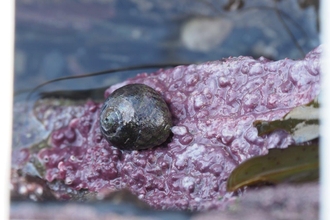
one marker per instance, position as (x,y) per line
(213,106)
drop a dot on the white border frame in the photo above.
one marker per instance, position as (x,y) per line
(325,112)
(6,96)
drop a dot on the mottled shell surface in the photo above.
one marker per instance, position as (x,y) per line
(135,117)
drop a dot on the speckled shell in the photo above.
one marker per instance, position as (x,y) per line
(135,117)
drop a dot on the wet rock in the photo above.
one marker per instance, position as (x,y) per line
(213,104)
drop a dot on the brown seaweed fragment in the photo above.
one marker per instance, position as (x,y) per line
(294,164)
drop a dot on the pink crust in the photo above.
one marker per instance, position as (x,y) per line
(214,105)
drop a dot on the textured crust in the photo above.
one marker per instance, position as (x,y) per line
(213,105)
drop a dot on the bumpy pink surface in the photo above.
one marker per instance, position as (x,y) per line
(213,105)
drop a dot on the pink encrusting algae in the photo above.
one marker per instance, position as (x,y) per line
(213,105)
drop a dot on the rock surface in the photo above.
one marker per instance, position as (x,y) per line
(213,107)
(285,202)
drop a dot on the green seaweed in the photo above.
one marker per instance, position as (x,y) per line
(301,122)
(35,148)
(297,163)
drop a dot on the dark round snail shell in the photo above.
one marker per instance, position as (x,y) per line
(135,117)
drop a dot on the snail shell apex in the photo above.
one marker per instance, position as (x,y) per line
(135,117)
